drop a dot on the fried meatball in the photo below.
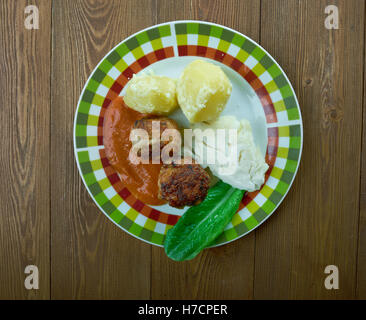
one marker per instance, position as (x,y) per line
(146,124)
(165,123)
(183,184)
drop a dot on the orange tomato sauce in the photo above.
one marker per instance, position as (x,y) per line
(141,179)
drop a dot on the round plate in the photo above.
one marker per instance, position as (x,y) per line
(261,93)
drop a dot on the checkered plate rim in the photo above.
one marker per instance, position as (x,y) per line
(240,226)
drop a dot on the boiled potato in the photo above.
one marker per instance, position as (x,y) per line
(203,90)
(151,94)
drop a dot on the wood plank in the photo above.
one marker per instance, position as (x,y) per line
(25,108)
(361,263)
(225,272)
(91,257)
(317,223)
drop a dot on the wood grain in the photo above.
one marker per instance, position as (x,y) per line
(361,263)
(48,219)
(317,224)
(225,272)
(91,257)
(24,157)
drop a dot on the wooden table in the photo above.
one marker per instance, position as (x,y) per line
(48,219)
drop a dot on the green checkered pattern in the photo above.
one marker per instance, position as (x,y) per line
(187,33)
(112,203)
(273,191)
(105,75)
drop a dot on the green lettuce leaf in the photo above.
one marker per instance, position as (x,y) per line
(202,224)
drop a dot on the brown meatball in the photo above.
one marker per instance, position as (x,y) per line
(146,124)
(183,184)
(165,123)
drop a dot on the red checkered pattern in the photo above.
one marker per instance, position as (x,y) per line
(238,66)
(271,155)
(125,76)
(132,201)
